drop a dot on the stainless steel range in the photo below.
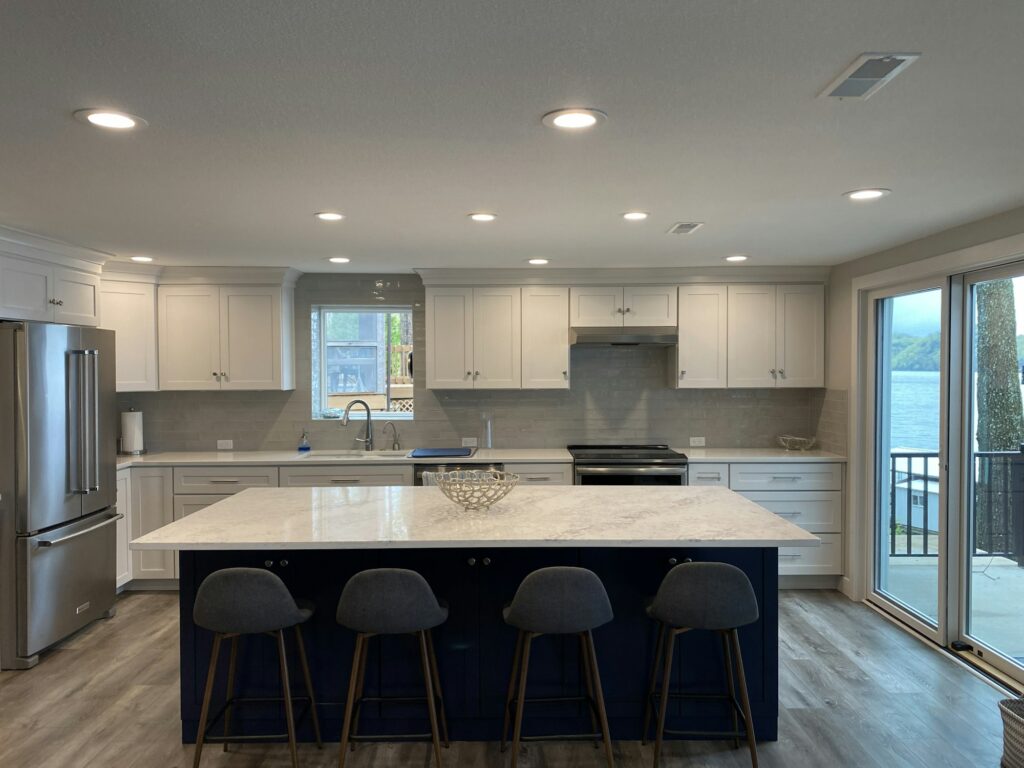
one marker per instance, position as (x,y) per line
(628,465)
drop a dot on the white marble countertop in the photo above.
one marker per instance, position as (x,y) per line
(421,517)
(756,455)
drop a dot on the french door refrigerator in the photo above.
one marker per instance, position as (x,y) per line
(57,485)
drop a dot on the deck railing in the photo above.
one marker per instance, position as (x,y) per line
(998,500)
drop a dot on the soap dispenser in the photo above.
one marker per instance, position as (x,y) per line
(304,446)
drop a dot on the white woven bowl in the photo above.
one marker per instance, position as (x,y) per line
(794,443)
(474,488)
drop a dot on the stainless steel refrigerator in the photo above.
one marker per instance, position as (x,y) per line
(57,485)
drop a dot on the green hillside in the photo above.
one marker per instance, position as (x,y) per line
(921,353)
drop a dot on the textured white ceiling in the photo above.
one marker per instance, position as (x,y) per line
(408,115)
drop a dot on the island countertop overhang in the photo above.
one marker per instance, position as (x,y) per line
(422,518)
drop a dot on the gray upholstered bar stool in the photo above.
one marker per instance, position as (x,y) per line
(391,601)
(234,602)
(560,600)
(709,596)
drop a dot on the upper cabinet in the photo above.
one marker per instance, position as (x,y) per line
(225,337)
(603,307)
(34,290)
(776,336)
(474,338)
(701,354)
(545,337)
(129,309)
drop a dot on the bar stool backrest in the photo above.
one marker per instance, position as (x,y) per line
(560,600)
(245,601)
(705,596)
(389,601)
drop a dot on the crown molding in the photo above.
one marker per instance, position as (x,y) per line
(44,249)
(618,276)
(279,276)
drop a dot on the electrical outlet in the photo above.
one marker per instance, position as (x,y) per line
(225,445)
(696,442)
(469,442)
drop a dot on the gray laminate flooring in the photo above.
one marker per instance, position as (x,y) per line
(854,691)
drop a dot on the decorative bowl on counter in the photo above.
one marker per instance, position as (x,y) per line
(794,443)
(473,489)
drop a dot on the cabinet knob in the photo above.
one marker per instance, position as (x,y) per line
(771,371)
(60,302)
(486,561)
(214,373)
(284,563)
(619,310)
(223,374)
(782,373)
(627,309)
(268,563)
(565,373)
(476,373)
(681,374)
(471,561)
(54,302)
(469,373)
(673,561)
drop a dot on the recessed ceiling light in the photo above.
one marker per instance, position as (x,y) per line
(339,260)
(574,119)
(143,259)
(867,194)
(537,262)
(329,216)
(109,118)
(483,216)
(737,257)
(634,215)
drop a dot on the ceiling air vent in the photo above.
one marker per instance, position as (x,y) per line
(685,227)
(867,74)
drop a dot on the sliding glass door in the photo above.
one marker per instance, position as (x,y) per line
(908,578)
(992,533)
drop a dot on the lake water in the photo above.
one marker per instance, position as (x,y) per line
(915,410)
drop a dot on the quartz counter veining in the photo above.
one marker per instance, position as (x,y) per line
(422,517)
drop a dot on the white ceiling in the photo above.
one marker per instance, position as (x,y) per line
(408,115)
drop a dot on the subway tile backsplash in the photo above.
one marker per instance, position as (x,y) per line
(618,394)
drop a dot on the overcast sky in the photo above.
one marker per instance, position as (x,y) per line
(917,314)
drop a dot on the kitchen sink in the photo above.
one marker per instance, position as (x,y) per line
(355,454)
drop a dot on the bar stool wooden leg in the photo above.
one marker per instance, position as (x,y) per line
(232,658)
(353,683)
(659,734)
(748,721)
(655,664)
(207,694)
(436,677)
(602,714)
(304,663)
(524,667)
(428,685)
(511,690)
(727,656)
(587,676)
(360,686)
(286,694)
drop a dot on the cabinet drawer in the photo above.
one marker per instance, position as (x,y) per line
(326,477)
(824,560)
(786,477)
(542,474)
(815,511)
(709,474)
(223,481)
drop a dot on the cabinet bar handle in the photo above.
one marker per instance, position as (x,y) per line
(225,481)
(344,479)
(789,514)
(791,478)
(783,554)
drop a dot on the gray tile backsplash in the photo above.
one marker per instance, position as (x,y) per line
(617,394)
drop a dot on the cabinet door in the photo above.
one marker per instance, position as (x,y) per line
(497,338)
(449,338)
(78,297)
(595,307)
(124,535)
(129,310)
(342,477)
(186,505)
(650,305)
(703,337)
(189,337)
(800,335)
(152,508)
(26,290)
(751,352)
(545,337)
(250,338)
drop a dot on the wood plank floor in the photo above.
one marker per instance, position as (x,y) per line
(854,691)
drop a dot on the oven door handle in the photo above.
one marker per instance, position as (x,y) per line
(670,471)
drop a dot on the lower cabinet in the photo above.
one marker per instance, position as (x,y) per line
(335,476)
(542,474)
(186,505)
(152,507)
(123,527)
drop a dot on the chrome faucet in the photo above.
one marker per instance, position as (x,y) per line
(368,440)
(395,445)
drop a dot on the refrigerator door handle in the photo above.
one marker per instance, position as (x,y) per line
(93,356)
(62,539)
(81,421)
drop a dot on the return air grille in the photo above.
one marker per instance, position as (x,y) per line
(868,74)
(685,227)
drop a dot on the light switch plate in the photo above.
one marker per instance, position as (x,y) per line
(696,442)
(469,442)
(225,445)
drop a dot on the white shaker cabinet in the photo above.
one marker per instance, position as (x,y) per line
(449,350)
(124,527)
(129,309)
(152,507)
(545,337)
(751,335)
(77,297)
(702,351)
(32,290)
(649,305)
(225,337)
(611,307)
(599,307)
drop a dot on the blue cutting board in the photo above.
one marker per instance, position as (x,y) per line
(440,453)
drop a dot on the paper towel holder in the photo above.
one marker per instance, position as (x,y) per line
(120,443)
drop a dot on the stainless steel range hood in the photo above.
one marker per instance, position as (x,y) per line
(659,336)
